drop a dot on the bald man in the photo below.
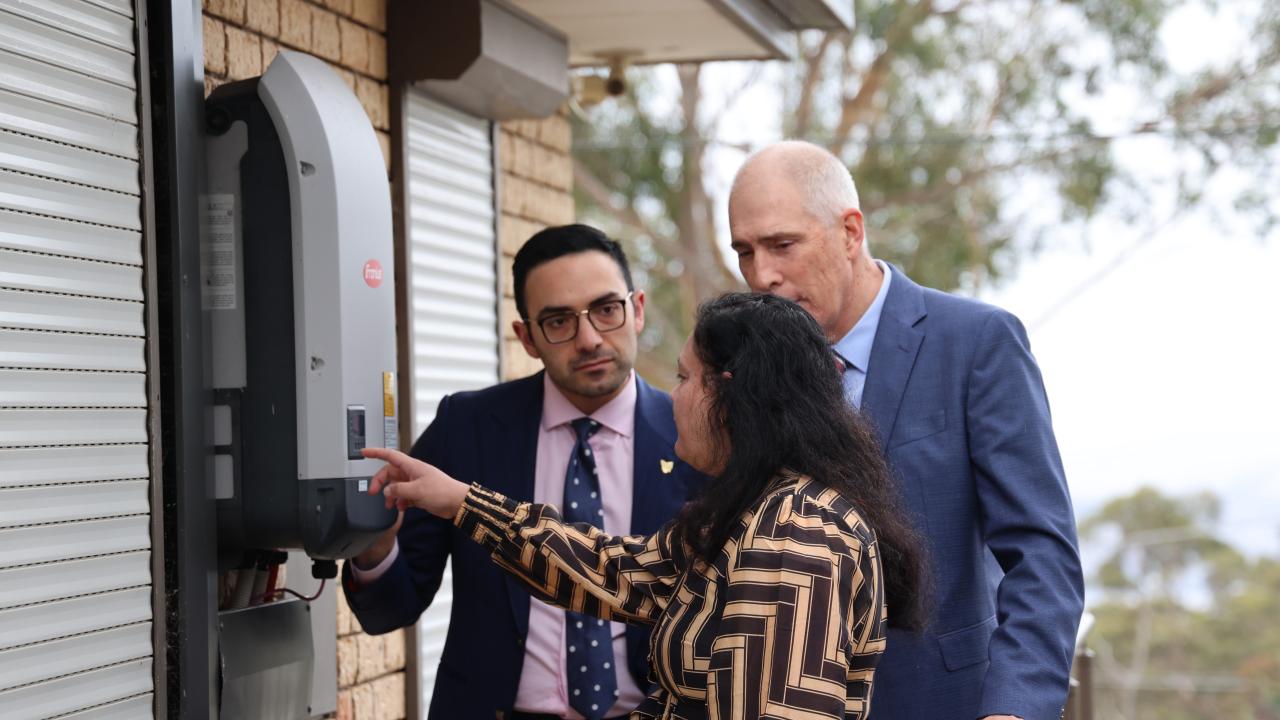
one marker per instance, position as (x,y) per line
(952,388)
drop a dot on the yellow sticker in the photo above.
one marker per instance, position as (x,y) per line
(667,466)
(388,394)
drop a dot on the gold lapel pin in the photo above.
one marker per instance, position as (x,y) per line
(667,466)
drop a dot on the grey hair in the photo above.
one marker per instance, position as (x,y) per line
(822,179)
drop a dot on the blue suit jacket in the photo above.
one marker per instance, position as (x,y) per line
(961,410)
(491,436)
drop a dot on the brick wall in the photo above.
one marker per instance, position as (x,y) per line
(536,189)
(241,37)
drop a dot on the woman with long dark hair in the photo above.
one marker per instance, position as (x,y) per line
(771,592)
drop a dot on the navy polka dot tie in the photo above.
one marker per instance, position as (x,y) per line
(593,687)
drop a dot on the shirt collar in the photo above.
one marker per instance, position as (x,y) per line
(855,347)
(619,414)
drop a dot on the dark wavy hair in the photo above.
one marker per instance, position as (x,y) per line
(783,408)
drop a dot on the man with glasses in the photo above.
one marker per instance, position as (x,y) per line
(586,435)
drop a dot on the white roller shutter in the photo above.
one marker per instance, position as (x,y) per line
(75,489)
(452,286)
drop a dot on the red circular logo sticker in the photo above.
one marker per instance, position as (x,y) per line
(373,273)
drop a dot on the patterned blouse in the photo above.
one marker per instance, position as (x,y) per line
(788,622)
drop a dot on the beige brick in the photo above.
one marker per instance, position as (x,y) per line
(342,7)
(264,16)
(232,10)
(388,697)
(346,621)
(355,45)
(373,96)
(362,702)
(508,281)
(535,202)
(516,362)
(507,313)
(269,51)
(551,167)
(555,133)
(347,76)
(377,54)
(326,41)
(348,660)
(372,657)
(295,24)
(514,231)
(514,192)
(215,46)
(522,158)
(384,143)
(346,706)
(372,13)
(211,83)
(244,54)
(393,647)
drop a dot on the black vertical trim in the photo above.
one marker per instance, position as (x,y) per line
(176,109)
(155,459)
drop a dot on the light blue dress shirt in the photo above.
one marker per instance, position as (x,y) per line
(855,347)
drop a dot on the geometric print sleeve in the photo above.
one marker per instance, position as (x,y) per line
(575,567)
(803,619)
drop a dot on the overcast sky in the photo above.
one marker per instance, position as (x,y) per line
(1160,346)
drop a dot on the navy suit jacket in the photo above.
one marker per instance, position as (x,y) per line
(491,437)
(961,411)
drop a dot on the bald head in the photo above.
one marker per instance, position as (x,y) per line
(819,178)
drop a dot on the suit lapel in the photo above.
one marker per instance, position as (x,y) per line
(516,443)
(650,487)
(893,354)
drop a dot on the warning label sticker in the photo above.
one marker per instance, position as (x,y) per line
(218,251)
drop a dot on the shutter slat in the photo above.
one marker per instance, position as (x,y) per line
(74,202)
(52,466)
(32,39)
(74,578)
(29,349)
(54,274)
(40,623)
(65,313)
(68,541)
(62,503)
(35,156)
(70,89)
(79,18)
(131,709)
(33,116)
(50,388)
(19,666)
(54,236)
(71,427)
(76,692)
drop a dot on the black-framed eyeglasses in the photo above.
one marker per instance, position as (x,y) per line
(604,316)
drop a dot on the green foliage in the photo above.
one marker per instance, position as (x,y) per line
(1186,626)
(951,115)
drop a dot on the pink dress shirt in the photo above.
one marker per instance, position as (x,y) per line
(542,683)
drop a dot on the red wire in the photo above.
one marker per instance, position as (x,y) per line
(283,591)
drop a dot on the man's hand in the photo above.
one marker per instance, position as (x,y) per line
(407,482)
(380,548)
